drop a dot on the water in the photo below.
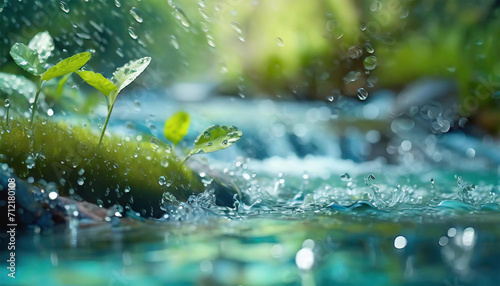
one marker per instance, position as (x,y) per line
(317,219)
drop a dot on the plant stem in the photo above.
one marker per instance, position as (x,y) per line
(106,123)
(39,85)
(188,156)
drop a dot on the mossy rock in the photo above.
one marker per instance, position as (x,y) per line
(118,171)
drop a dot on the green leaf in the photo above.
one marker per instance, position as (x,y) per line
(177,127)
(216,138)
(27,59)
(98,81)
(66,66)
(43,44)
(128,73)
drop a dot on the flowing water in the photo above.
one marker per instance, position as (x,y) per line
(304,217)
(381,187)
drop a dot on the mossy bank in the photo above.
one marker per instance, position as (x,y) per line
(132,173)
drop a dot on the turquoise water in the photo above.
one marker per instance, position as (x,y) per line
(291,230)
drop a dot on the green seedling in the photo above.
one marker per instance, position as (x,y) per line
(33,59)
(213,139)
(176,127)
(110,88)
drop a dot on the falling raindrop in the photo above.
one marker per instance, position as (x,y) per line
(64,6)
(181,16)
(370,63)
(132,33)
(355,52)
(369,48)
(239,31)
(362,94)
(210,41)
(280,42)
(173,42)
(155,142)
(136,14)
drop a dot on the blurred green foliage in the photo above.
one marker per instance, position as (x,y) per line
(280,47)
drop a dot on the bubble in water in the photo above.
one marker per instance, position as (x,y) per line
(370,63)
(132,33)
(280,42)
(162,180)
(362,94)
(136,14)
(64,6)
(7,103)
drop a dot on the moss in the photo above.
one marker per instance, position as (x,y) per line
(119,171)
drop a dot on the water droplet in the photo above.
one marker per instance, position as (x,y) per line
(53,195)
(7,103)
(345,177)
(136,14)
(210,41)
(355,52)
(376,6)
(162,180)
(369,48)
(118,4)
(239,31)
(370,63)
(181,16)
(132,33)
(165,162)
(64,6)
(362,94)
(173,42)
(155,142)
(30,162)
(80,181)
(50,112)
(280,42)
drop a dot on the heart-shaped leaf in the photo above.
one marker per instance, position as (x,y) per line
(216,138)
(128,73)
(177,127)
(66,66)
(27,59)
(98,81)
(43,44)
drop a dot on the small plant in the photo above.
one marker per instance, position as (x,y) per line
(33,59)
(110,88)
(214,138)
